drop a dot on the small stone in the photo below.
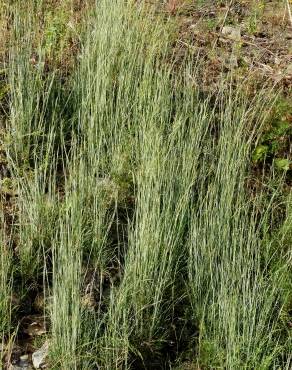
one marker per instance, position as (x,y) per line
(13,353)
(24,358)
(288,71)
(194,29)
(88,301)
(39,303)
(232,33)
(233,61)
(21,365)
(39,357)
(15,300)
(34,325)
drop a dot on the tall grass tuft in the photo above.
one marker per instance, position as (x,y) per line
(133,197)
(236,296)
(6,282)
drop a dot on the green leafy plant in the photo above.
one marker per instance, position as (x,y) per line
(55,31)
(282,164)
(257,9)
(275,139)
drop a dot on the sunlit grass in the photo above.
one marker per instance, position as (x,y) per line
(132,197)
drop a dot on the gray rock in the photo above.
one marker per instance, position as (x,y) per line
(39,357)
(23,364)
(232,33)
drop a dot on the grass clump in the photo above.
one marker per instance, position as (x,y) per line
(236,296)
(6,280)
(134,216)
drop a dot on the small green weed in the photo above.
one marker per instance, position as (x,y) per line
(275,142)
(255,16)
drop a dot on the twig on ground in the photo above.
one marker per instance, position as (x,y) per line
(223,23)
(244,42)
(289,11)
